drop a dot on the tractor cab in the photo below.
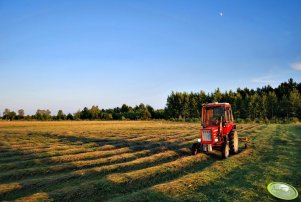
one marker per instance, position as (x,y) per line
(212,115)
(218,115)
(218,129)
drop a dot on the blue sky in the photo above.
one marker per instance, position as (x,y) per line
(71,54)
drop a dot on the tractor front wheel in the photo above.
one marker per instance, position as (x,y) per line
(195,149)
(225,150)
(233,142)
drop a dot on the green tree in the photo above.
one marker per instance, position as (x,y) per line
(85,114)
(245,105)
(144,113)
(271,104)
(238,104)
(295,103)
(184,105)
(69,116)
(95,112)
(201,99)
(77,115)
(12,115)
(124,108)
(263,106)
(107,116)
(151,110)
(284,107)
(21,114)
(9,115)
(253,106)
(60,115)
(217,95)
(43,115)
(193,106)
(171,106)
(6,113)
(159,114)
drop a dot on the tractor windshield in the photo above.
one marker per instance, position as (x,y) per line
(212,115)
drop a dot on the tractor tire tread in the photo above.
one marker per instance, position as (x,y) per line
(232,143)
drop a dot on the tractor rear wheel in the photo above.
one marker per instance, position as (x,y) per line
(195,149)
(233,142)
(225,150)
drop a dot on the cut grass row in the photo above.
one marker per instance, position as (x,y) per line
(92,173)
(105,188)
(67,158)
(70,154)
(177,138)
(60,173)
(75,163)
(243,177)
(65,151)
(185,186)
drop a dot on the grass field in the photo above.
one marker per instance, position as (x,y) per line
(141,161)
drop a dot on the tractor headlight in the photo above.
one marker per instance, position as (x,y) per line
(199,139)
(216,139)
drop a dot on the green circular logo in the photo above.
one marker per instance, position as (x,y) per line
(282,190)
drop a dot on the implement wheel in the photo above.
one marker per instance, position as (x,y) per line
(195,148)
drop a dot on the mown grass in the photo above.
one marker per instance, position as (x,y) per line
(141,161)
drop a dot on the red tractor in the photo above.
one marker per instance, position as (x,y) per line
(218,130)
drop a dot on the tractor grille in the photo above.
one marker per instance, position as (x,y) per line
(206,135)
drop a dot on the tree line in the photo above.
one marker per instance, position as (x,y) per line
(125,112)
(266,103)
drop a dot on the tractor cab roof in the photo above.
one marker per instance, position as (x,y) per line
(217,104)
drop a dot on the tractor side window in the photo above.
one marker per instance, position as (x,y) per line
(229,115)
(209,116)
(226,115)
